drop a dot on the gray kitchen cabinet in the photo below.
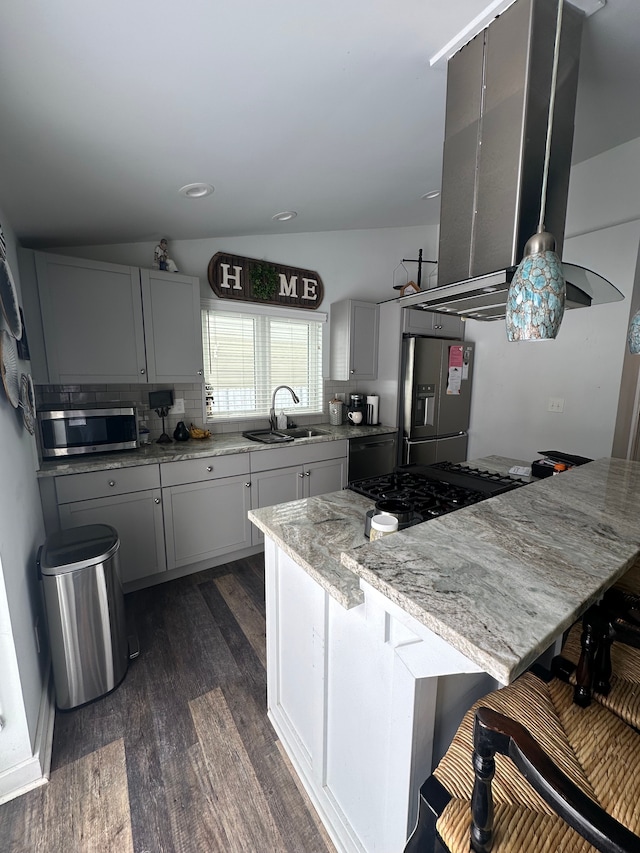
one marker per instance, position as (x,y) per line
(205,505)
(415,321)
(353,344)
(171,311)
(128,499)
(317,470)
(91,320)
(112,323)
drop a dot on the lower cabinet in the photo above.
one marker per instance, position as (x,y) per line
(138,519)
(180,514)
(205,503)
(130,500)
(320,469)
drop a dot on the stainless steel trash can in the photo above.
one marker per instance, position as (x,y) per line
(85,612)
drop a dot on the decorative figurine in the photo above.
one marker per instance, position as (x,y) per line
(161,259)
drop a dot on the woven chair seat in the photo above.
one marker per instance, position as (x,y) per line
(624,697)
(592,746)
(517,830)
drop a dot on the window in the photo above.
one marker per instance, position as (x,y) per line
(247,354)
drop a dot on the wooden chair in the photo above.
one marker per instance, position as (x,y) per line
(528,770)
(601,658)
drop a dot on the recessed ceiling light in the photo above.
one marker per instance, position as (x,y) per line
(431,194)
(196,190)
(285,216)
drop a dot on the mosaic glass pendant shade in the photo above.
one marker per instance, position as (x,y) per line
(537,295)
(536,298)
(633,338)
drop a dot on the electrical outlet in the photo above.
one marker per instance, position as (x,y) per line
(178,406)
(556,404)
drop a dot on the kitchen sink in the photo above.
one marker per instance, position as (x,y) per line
(268,436)
(279,436)
(303,432)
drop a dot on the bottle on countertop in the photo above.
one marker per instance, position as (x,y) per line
(282,421)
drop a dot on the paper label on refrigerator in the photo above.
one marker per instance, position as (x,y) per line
(454,378)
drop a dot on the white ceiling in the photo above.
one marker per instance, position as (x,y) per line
(327,108)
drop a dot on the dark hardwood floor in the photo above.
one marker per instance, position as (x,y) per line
(181,756)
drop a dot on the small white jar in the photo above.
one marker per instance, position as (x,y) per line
(382,525)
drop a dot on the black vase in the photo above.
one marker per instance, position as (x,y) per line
(181,433)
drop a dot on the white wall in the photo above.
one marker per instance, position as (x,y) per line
(21,533)
(354,264)
(513,381)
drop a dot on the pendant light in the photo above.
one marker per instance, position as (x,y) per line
(633,337)
(536,298)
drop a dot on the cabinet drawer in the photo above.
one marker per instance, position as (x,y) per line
(299,454)
(206,468)
(101,484)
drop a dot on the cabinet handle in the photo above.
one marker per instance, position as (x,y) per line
(248,484)
(156,500)
(199,372)
(209,468)
(301,475)
(143,371)
(307,473)
(352,371)
(112,483)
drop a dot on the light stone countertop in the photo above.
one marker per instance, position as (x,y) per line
(218,445)
(315,531)
(499,580)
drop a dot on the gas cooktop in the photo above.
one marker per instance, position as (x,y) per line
(434,490)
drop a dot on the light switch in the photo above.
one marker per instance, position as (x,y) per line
(556,404)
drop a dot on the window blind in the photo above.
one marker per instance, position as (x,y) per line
(247,355)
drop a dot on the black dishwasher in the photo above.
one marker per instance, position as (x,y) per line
(372,455)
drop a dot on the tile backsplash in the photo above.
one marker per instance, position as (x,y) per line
(193,396)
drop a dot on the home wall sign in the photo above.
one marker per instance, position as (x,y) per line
(252,280)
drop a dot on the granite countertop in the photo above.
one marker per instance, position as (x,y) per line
(218,445)
(499,580)
(315,531)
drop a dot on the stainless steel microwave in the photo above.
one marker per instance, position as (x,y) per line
(70,432)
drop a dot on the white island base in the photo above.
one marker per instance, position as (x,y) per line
(364,700)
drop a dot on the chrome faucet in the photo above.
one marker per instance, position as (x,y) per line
(272,410)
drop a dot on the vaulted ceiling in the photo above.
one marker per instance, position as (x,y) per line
(328,109)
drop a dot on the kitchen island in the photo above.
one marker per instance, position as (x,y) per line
(375,650)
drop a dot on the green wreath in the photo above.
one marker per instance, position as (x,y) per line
(264,280)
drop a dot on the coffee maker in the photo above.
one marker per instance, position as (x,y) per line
(357,404)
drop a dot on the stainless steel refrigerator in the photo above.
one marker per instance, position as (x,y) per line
(435,399)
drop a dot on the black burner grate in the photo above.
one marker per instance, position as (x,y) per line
(434,490)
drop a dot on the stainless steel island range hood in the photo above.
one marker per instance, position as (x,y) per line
(498,90)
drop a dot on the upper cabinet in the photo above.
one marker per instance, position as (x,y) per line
(172,329)
(353,340)
(418,322)
(111,323)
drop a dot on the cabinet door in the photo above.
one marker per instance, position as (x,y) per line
(275,487)
(364,340)
(172,326)
(92,320)
(320,478)
(138,519)
(445,326)
(353,340)
(418,322)
(206,520)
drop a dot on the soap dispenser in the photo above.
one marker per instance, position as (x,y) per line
(282,421)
